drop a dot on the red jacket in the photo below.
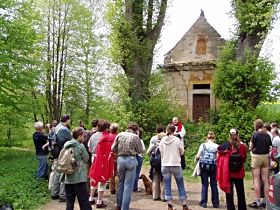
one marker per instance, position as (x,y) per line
(102,168)
(223,173)
(223,177)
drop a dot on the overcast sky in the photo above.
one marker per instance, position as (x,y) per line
(181,15)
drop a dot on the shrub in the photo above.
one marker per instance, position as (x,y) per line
(18,184)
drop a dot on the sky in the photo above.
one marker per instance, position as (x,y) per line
(181,14)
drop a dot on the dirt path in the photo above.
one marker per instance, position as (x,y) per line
(140,201)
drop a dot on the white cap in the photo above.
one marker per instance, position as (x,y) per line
(232,131)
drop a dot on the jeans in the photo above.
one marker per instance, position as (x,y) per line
(138,170)
(176,171)
(79,190)
(58,187)
(126,173)
(42,171)
(239,185)
(205,175)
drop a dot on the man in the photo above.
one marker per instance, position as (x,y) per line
(179,128)
(127,145)
(42,154)
(180,132)
(62,135)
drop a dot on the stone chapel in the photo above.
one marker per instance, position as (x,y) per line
(189,69)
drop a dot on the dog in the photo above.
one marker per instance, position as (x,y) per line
(147,183)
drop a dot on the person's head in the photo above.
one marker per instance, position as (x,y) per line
(274,125)
(78,133)
(267,127)
(275,132)
(82,124)
(258,124)
(103,125)
(211,135)
(133,126)
(38,126)
(170,129)
(234,137)
(53,124)
(175,120)
(65,119)
(94,123)
(160,129)
(114,127)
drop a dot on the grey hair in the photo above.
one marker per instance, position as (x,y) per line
(38,125)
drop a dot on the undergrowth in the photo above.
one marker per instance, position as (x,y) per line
(18,183)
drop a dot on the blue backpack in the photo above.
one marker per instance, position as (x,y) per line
(207,159)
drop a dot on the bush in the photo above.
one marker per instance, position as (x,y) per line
(18,183)
(269,112)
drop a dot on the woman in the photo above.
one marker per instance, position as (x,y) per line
(155,172)
(259,145)
(102,167)
(114,127)
(75,183)
(139,158)
(207,161)
(171,148)
(232,153)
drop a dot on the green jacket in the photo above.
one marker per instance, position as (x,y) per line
(81,156)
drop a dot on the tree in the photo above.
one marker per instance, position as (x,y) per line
(135,30)
(18,55)
(242,79)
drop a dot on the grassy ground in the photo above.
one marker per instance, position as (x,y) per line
(18,184)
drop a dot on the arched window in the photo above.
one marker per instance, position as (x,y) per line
(201,47)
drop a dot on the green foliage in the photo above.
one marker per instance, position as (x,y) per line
(160,108)
(18,184)
(18,54)
(269,112)
(240,88)
(254,16)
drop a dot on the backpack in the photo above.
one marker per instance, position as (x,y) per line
(155,159)
(66,162)
(54,147)
(235,162)
(273,162)
(207,159)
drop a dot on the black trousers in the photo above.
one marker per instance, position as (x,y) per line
(79,190)
(241,203)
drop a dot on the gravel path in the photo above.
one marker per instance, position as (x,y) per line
(141,201)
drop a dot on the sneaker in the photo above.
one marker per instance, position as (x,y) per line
(163,200)
(254,205)
(92,202)
(170,207)
(186,208)
(100,206)
(203,205)
(157,199)
(216,206)
(118,208)
(55,197)
(62,200)
(263,205)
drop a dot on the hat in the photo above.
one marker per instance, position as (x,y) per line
(232,131)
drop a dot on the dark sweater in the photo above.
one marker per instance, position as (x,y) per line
(261,143)
(40,140)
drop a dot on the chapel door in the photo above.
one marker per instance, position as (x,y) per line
(201,106)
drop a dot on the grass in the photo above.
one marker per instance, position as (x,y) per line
(18,184)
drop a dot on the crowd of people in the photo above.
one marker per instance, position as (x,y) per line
(104,158)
